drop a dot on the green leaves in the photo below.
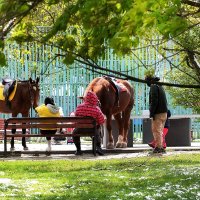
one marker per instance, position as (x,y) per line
(69,59)
(87,28)
(22,33)
(119,23)
(2,59)
(51,2)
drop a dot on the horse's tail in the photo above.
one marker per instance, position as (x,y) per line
(131,91)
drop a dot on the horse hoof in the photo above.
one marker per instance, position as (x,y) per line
(12,149)
(25,148)
(124,145)
(48,149)
(119,145)
(110,146)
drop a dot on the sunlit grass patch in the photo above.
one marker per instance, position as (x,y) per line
(173,177)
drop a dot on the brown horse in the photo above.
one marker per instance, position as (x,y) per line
(26,96)
(117,102)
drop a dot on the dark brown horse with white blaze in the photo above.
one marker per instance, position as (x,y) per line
(121,110)
(26,96)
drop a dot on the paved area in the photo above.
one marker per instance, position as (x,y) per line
(63,146)
(66,151)
(89,156)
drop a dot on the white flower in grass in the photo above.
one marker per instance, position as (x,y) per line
(142,178)
(113,196)
(178,192)
(37,193)
(31,182)
(194,187)
(158,194)
(5,180)
(151,188)
(12,195)
(131,194)
(16,190)
(149,198)
(139,194)
(167,187)
(189,178)
(186,173)
(52,190)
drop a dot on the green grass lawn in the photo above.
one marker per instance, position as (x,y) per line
(167,177)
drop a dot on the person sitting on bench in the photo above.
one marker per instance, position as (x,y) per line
(89,108)
(48,109)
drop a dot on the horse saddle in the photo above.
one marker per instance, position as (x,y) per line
(9,85)
(117,87)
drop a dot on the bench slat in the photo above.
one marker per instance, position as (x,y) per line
(50,120)
(48,135)
(24,126)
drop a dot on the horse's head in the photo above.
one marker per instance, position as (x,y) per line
(35,91)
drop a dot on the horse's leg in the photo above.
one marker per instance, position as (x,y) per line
(120,124)
(12,141)
(48,145)
(126,124)
(24,132)
(110,144)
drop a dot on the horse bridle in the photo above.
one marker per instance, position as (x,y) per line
(32,86)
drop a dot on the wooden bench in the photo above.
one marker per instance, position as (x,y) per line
(1,128)
(49,122)
(8,131)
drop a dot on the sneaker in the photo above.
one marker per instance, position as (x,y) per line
(159,150)
(163,150)
(164,145)
(78,153)
(99,151)
(156,150)
(151,145)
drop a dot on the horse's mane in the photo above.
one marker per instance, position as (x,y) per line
(94,84)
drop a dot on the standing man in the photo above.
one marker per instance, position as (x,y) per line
(165,131)
(158,111)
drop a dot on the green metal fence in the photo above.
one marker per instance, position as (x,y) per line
(65,84)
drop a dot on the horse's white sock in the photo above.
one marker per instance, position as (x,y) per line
(49,145)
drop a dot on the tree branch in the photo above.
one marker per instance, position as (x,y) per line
(191,3)
(127,77)
(195,65)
